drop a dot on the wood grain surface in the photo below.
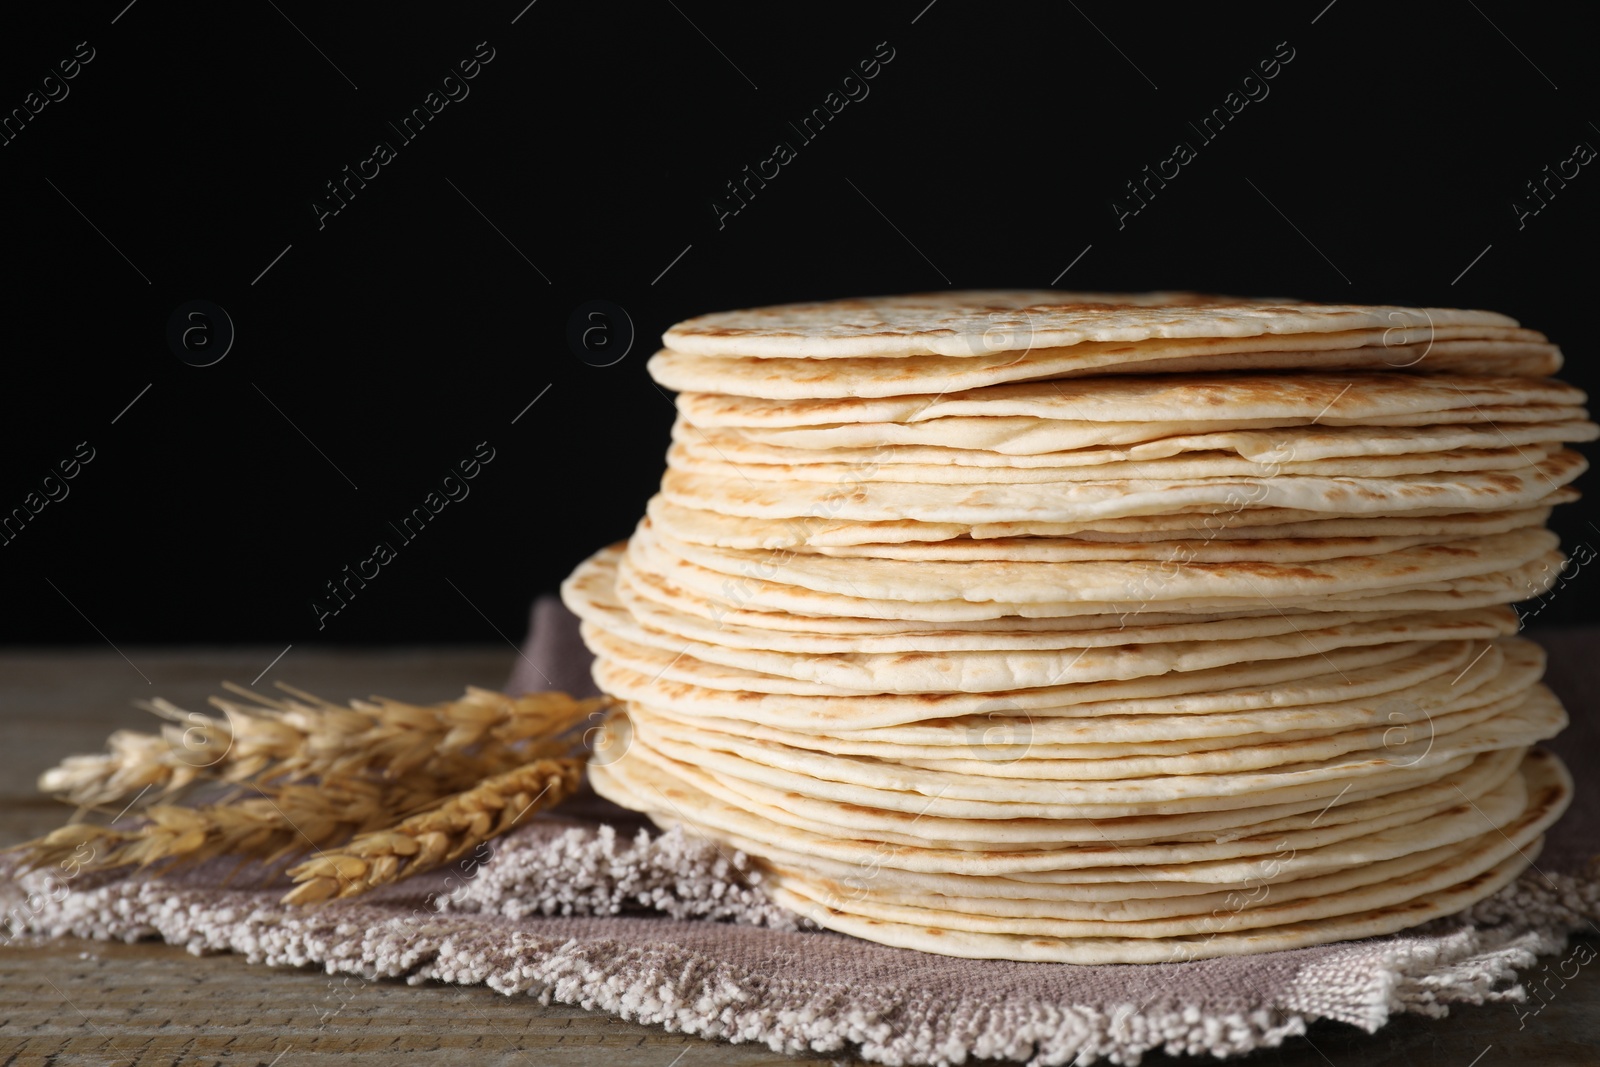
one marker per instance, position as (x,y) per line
(73,1002)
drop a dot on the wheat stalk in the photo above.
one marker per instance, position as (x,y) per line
(273,741)
(398,788)
(171,832)
(276,822)
(438,835)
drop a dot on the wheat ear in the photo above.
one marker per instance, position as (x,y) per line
(438,835)
(309,738)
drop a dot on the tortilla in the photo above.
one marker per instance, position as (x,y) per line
(1096,628)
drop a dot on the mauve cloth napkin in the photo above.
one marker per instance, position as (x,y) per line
(588,907)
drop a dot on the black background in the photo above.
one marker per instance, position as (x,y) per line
(427,314)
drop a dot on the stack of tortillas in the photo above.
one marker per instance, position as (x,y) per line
(1096,628)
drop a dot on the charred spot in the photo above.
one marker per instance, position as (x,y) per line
(1263,570)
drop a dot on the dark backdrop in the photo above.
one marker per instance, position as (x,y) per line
(384,342)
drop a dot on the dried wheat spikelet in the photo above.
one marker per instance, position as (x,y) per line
(436,836)
(268,825)
(133,764)
(308,738)
(171,832)
(307,774)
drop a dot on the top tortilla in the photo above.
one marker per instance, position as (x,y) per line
(984,322)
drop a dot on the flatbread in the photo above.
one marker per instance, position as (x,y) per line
(1152,532)
(1189,467)
(854,445)
(1514,582)
(1382,672)
(957,323)
(1175,850)
(701,416)
(1104,950)
(1233,400)
(988,670)
(898,786)
(674,612)
(1082,501)
(1019,582)
(1518,844)
(1095,628)
(778,378)
(1227,834)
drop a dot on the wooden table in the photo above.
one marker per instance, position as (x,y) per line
(74,1002)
